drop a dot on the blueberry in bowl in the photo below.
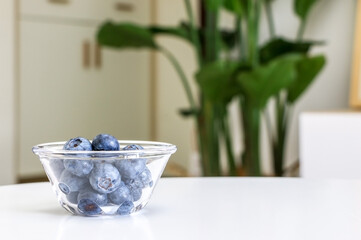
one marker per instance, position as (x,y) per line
(103,177)
(105,142)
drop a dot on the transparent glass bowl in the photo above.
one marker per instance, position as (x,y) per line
(112,183)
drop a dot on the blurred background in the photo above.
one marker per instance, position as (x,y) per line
(58,83)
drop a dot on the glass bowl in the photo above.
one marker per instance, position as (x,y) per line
(98,183)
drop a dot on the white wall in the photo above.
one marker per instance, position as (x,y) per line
(7,94)
(331,21)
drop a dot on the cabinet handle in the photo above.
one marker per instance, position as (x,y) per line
(124,7)
(59,1)
(98,56)
(86,54)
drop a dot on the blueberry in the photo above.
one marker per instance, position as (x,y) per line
(104,178)
(125,168)
(142,180)
(136,193)
(130,168)
(78,167)
(120,195)
(56,166)
(71,183)
(64,188)
(73,197)
(78,144)
(133,147)
(89,194)
(146,178)
(105,142)
(133,182)
(89,207)
(125,208)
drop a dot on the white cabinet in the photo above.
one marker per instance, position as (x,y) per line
(69,88)
(330,144)
(87,10)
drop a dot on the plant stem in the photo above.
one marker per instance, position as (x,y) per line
(301,30)
(268,124)
(239,37)
(251,126)
(202,134)
(212,139)
(216,124)
(282,116)
(182,76)
(229,147)
(212,36)
(209,111)
(269,15)
(251,114)
(208,38)
(252,26)
(208,129)
(276,142)
(287,116)
(194,32)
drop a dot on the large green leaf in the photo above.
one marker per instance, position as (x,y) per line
(125,35)
(279,46)
(302,7)
(188,112)
(266,81)
(307,70)
(181,31)
(213,5)
(228,37)
(238,7)
(217,81)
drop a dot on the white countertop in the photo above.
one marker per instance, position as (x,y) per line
(197,208)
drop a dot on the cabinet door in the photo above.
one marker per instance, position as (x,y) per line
(61,99)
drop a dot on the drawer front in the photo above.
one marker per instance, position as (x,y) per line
(93,10)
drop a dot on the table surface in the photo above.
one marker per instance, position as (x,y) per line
(197,208)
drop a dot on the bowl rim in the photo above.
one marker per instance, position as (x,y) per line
(156,149)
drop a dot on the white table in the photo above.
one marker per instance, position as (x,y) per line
(197,208)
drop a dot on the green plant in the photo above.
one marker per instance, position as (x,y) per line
(281,69)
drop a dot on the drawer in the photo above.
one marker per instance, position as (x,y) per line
(94,10)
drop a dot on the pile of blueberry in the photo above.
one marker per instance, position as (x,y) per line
(93,184)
